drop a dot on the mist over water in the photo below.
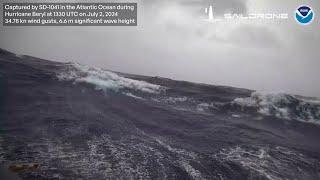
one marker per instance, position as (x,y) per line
(172,41)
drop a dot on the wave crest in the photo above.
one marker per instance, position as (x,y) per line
(105,80)
(281,105)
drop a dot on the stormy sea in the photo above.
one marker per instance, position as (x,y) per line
(71,121)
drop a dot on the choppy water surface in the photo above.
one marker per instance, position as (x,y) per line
(80,122)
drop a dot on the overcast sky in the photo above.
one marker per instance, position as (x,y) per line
(172,40)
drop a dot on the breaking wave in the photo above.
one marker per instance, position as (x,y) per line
(105,80)
(282,105)
(78,122)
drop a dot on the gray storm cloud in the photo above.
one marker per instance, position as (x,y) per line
(172,40)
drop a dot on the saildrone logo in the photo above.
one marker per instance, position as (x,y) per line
(304,15)
(209,11)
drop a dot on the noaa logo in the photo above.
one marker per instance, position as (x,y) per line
(304,15)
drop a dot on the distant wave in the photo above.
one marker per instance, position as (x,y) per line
(104,80)
(80,122)
(282,105)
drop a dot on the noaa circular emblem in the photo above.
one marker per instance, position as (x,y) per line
(304,15)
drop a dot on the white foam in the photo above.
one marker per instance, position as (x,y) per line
(195,174)
(184,159)
(236,115)
(176,99)
(254,160)
(105,80)
(282,105)
(274,163)
(133,96)
(202,107)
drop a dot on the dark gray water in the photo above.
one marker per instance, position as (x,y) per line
(78,122)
